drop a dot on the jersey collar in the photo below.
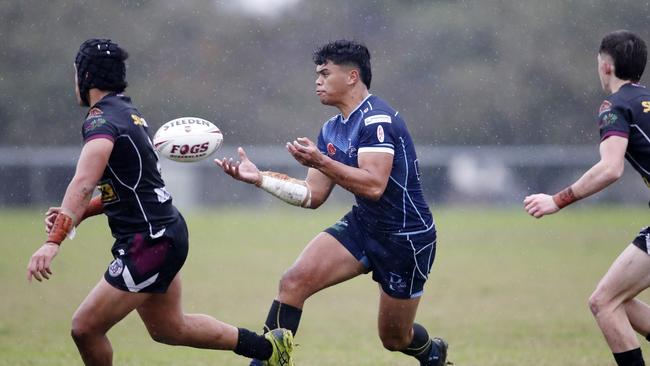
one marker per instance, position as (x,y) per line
(355,110)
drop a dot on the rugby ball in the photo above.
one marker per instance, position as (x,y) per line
(187,139)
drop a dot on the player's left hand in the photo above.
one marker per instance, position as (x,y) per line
(50,217)
(39,263)
(305,152)
(540,204)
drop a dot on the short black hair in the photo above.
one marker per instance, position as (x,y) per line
(344,52)
(629,53)
(100,64)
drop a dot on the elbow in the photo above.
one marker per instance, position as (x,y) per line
(614,173)
(375,193)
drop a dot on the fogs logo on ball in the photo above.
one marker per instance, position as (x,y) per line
(187,149)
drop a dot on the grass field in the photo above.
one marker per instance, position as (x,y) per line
(505,289)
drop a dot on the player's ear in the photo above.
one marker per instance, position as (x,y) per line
(353,76)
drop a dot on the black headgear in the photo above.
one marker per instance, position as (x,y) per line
(100,64)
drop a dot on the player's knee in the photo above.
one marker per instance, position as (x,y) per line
(394,342)
(80,329)
(598,302)
(294,282)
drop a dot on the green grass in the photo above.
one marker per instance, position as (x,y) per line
(505,289)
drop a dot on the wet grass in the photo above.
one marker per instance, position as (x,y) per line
(505,289)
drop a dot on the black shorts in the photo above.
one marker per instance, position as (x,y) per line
(642,239)
(400,263)
(146,264)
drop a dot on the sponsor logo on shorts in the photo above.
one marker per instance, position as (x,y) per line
(396,282)
(116,267)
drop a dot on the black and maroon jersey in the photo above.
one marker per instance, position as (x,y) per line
(133,191)
(626,113)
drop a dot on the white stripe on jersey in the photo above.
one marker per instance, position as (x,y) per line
(144,214)
(376,149)
(630,156)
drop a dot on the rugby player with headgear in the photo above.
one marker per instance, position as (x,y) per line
(151,238)
(367,150)
(624,123)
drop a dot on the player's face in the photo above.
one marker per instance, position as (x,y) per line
(332,83)
(605,70)
(76,87)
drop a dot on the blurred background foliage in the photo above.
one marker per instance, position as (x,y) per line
(495,72)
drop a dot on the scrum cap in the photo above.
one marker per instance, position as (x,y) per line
(100,64)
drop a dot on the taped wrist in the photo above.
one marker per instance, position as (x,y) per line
(95,207)
(292,191)
(564,197)
(63,226)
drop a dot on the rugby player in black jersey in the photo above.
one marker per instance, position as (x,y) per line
(624,123)
(151,238)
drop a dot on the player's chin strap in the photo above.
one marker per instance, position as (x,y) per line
(292,191)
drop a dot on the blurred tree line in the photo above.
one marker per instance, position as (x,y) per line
(460,72)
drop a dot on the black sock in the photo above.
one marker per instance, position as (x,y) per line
(252,345)
(283,316)
(632,357)
(648,337)
(420,345)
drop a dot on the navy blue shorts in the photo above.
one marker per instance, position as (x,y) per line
(146,264)
(400,263)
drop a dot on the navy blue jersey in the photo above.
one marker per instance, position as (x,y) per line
(376,127)
(133,192)
(626,113)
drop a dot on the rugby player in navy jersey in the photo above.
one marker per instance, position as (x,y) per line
(624,122)
(151,238)
(390,232)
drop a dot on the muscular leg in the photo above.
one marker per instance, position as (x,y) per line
(324,262)
(639,314)
(395,321)
(103,307)
(610,302)
(163,316)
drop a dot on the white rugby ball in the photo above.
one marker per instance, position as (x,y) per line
(187,139)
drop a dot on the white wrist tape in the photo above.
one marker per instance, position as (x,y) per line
(292,191)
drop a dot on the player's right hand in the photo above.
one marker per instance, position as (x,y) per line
(50,216)
(39,263)
(538,205)
(243,170)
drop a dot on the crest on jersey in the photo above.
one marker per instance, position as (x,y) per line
(94,112)
(331,150)
(608,119)
(116,267)
(605,107)
(380,133)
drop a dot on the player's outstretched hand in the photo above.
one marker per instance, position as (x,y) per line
(540,204)
(39,263)
(243,170)
(50,216)
(305,152)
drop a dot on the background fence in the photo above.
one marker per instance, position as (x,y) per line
(500,175)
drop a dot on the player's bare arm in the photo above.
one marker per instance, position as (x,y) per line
(309,193)
(608,170)
(92,161)
(369,180)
